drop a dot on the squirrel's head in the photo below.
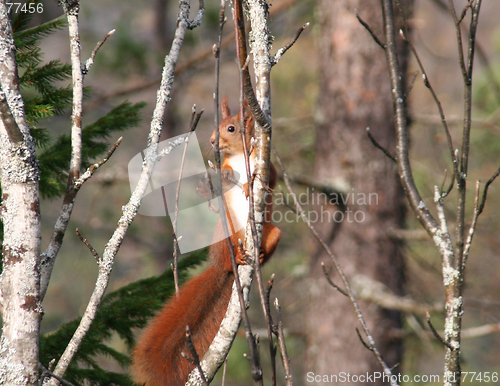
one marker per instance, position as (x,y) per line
(229,130)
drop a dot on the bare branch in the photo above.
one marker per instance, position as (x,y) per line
(90,247)
(330,281)
(341,273)
(485,192)
(464,11)
(475,332)
(368,289)
(478,209)
(458,34)
(252,237)
(365,24)
(197,20)
(378,146)
(195,357)
(281,342)
(185,65)
(90,61)
(427,83)
(282,50)
(71,9)
(93,168)
(398,97)
(260,113)
(436,334)
(48,257)
(46,372)
(370,348)
(131,208)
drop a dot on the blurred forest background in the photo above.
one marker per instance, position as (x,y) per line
(128,67)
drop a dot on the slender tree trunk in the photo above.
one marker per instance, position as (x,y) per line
(20,215)
(355,94)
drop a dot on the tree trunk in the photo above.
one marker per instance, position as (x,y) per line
(355,94)
(20,215)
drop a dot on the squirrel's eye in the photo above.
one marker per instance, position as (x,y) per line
(231,129)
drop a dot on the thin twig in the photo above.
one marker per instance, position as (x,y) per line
(93,168)
(195,357)
(478,209)
(436,334)
(273,329)
(48,258)
(281,343)
(410,87)
(328,278)
(46,372)
(458,34)
(282,50)
(379,146)
(90,61)
(270,284)
(492,81)
(90,247)
(365,24)
(485,192)
(363,341)
(464,11)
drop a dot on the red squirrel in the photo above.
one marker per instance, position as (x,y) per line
(201,303)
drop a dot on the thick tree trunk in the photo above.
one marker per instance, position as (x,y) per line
(355,94)
(20,215)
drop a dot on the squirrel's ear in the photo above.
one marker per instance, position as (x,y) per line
(226,112)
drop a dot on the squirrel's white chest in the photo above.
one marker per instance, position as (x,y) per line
(235,197)
(240,169)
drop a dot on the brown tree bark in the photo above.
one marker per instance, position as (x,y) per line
(355,94)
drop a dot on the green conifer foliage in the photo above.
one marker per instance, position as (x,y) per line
(43,99)
(121,312)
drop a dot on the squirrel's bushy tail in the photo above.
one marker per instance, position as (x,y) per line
(200,304)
